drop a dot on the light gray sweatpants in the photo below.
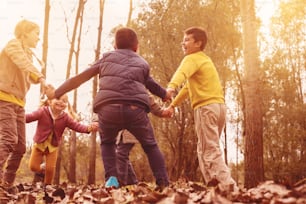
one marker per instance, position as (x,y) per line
(209,123)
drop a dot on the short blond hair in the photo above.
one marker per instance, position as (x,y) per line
(23,27)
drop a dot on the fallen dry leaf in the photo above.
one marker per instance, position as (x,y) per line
(180,192)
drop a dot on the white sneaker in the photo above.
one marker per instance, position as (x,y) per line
(43,166)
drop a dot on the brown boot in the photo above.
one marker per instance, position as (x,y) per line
(9,187)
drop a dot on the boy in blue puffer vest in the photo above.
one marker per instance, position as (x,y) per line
(122,102)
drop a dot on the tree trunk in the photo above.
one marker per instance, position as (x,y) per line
(130,13)
(71,51)
(254,171)
(72,157)
(76,30)
(57,175)
(45,38)
(93,143)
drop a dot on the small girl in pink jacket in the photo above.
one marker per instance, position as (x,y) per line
(51,123)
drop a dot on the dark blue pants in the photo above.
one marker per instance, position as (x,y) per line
(125,170)
(116,117)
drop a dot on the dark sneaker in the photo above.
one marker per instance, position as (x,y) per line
(9,188)
(213,183)
(161,187)
(38,177)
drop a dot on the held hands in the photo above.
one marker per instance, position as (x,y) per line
(169,95)
(93,127)
(42,82)
(168,112)
(49,91)
(46,89)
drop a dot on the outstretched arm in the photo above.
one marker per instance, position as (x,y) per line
(72,83)
(156,89)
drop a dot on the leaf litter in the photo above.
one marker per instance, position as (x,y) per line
(180,192)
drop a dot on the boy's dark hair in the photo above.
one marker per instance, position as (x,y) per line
(126,38)
(199,34)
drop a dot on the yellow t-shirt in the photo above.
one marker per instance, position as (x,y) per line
(201,79)
(46,145)
(11,98)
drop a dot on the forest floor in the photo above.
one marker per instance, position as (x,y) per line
(180,192)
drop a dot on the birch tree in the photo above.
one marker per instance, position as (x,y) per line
(93,143)
(77,31)
(45,37)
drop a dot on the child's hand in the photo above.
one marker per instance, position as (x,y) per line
(169,95)
(168,112)
(93,127)
(49,91)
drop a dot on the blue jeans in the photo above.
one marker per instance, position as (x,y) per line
(126,173)
(116,117)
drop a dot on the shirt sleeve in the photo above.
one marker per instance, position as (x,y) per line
(18,55)
(186,69)
(76,126)
(33,116)
(156,109)
(181,96)
(76,81)
(155,88)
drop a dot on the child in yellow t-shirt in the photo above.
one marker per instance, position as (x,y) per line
(202,85)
